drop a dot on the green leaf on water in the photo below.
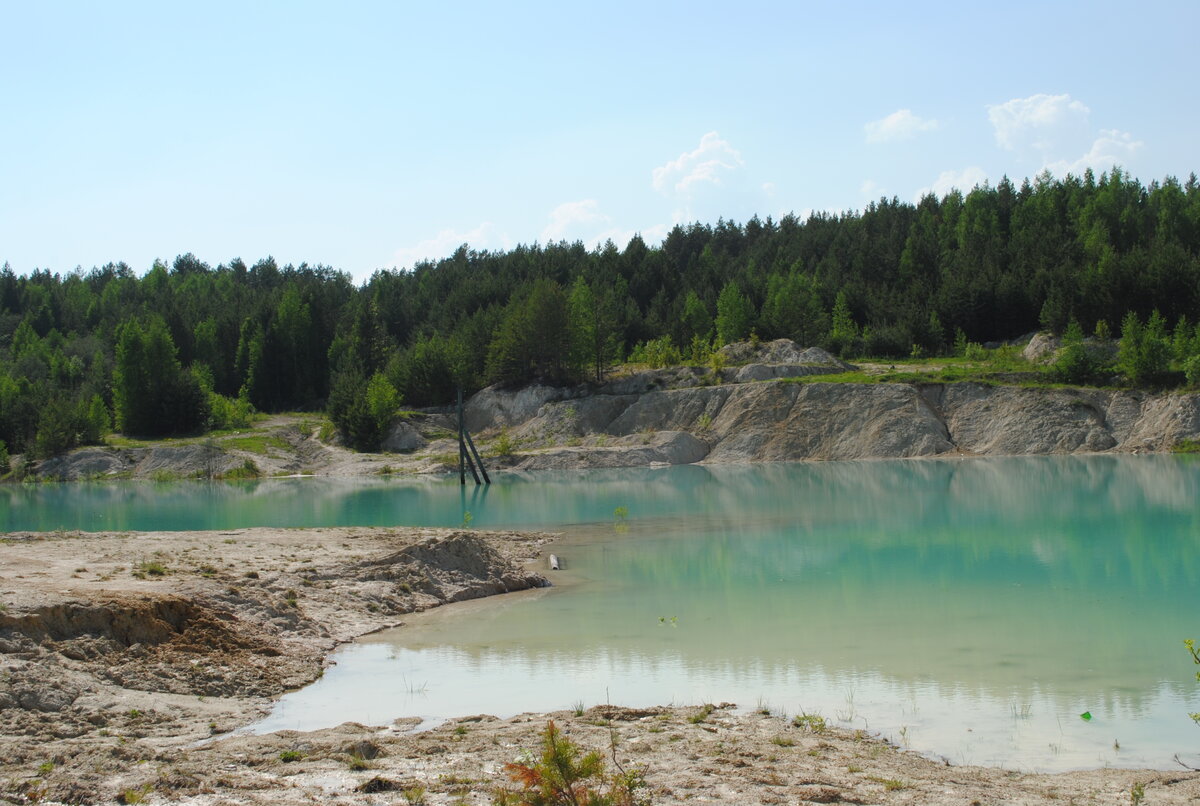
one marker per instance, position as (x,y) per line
(1086,716)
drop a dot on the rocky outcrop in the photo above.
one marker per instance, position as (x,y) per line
(403,438)
(1044,348)
(762,422)
(496,407)
(780,351)
(194,460)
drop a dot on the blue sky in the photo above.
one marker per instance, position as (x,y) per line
(365,135)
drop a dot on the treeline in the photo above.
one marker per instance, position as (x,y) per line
(189,346)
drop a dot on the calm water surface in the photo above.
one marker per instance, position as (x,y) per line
(968,609)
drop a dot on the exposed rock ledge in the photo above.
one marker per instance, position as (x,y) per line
(764,422)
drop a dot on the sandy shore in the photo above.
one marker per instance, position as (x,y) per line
(125,655)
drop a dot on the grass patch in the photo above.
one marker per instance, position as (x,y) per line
(1000,366)
(135,795)
(783,741)
(150,568)
(1186,446)
(255,443)
(703,714)
(290,756)
(890,784)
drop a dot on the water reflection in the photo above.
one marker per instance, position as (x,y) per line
(980,606)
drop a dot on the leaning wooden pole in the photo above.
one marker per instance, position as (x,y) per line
(475,453)
(464,456)
(462,448)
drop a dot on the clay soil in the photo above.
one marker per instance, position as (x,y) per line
(130,660)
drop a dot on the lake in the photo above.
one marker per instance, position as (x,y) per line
(968,609)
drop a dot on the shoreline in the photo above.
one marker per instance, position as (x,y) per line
(154,663)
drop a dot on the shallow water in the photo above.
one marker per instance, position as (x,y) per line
(969,609)
(972,610)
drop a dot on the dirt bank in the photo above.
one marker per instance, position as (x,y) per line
(122,651)
(172,637)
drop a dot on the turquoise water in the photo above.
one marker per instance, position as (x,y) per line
(968,609)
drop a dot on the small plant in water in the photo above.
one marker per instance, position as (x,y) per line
(1191,647)
(467,518)
(813,723)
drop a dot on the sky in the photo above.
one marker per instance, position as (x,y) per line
(373,135)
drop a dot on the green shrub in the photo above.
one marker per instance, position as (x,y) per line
(503,445)
(228,412)
(362,408)
(1191,371)
(658,353)
(1145,352)
(975,352)
(1075,363)
(248,470)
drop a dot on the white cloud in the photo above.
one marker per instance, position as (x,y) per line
(1111,148)
(964,180)
(711,164)
(583,221)
(569,218)
(900,125)
(486,236)
(871,189)
(1039,121)
(712,182)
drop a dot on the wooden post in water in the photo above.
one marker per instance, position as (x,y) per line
(462,449)
(475,453)
(464,457)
